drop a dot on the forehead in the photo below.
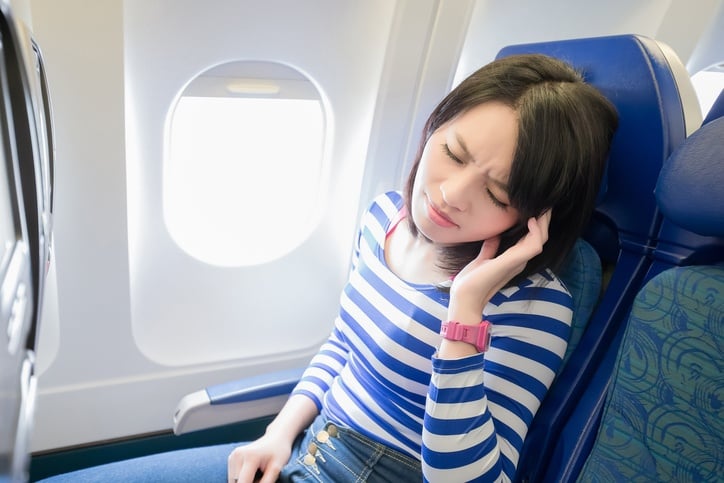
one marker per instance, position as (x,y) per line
(490,121)
(487,133)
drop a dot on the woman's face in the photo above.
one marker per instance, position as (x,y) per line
(459,193)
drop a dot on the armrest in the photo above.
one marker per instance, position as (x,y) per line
(230,402)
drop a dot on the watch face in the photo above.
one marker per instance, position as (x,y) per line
(483,343)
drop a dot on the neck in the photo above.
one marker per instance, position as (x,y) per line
(413,258)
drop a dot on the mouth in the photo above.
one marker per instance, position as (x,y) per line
(438,217)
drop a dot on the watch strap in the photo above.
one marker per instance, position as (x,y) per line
(477,335)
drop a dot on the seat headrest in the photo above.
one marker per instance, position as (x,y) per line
(690,188)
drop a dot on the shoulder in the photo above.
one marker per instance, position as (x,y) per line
(391,201)
(548,280)
(545,282)
(383,208)
(540,293)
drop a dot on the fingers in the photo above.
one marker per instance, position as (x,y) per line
(490,248)
(543,222)
(241,467)
(269,476)
(537,234)
(246,466)
(478,281)
(247,472)
(236,459)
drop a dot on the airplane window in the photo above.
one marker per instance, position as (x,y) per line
(708,83)
(242,157)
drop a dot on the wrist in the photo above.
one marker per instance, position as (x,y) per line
(280,433)
(476,335)
(465,316)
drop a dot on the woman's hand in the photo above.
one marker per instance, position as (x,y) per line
(267,455)
(476,284)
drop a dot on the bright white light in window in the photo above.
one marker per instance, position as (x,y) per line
(242,176)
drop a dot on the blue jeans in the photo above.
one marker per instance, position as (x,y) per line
(342,456)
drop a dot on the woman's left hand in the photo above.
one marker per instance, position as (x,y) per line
(476,284)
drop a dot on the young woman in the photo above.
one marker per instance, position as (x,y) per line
(506,177)
(453,323)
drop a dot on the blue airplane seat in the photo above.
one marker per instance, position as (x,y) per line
(657,107)
(663,418)
(716,110)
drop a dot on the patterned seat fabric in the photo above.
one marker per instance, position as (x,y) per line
(664,420)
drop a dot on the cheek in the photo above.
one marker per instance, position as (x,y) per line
(492,221)
(421,178)
(427,167)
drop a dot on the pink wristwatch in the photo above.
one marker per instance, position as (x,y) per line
(477,335)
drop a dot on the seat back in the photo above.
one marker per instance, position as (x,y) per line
(25,189)
(663,419)
(17,291)
(688,236)
(643,79)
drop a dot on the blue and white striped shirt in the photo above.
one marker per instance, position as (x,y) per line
(378,372)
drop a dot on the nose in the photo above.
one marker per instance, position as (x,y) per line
(455,191)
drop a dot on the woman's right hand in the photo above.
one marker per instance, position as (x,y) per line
(482,278)
(267,455)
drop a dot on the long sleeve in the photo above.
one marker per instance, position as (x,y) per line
(324,367)
(379,375)
(479,408)
(332,356)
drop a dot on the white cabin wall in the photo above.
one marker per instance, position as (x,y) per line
(95,382)
(85,76)
(82,44)
(21,10)
(684,27)
(417,77)
(496,24)
(708,51)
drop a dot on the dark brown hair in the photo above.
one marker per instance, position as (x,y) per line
(565,127)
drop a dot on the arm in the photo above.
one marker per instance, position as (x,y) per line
(476,420)
(479,407)
(271,452)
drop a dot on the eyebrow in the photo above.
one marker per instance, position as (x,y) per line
(463,146)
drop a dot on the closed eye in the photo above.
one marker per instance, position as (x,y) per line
(495,200)
(450,154)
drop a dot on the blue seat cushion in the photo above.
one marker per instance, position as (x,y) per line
(582,275)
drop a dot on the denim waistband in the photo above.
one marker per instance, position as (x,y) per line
(326,452)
